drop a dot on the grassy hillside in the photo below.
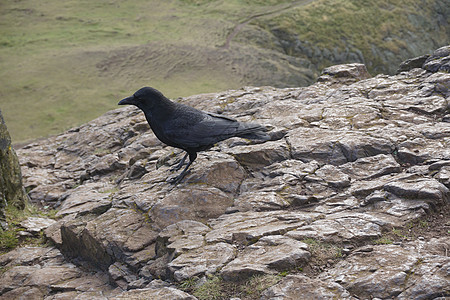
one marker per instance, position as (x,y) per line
(63,63)
(378,33)
(53,52)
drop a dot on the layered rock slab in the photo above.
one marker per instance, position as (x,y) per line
(38,272)
(270,254)
(401,271)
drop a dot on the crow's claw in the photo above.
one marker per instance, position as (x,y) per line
(180,164)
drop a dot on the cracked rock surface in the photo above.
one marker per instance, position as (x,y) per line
(353,158)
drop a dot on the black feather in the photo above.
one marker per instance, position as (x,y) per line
(187,128)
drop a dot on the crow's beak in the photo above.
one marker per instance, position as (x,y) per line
(128,100)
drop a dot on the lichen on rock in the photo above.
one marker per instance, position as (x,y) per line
(12,191)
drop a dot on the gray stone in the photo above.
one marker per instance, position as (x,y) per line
(205,260)
(371,167)
(180,237)
(258,156)
(328,147)
(412,63)
(439,60)
(38,272)
(421,189)
(247,226)
(32,293)
(270,254)
(347,226)
(303,287)
(156,293)
(107,237)
(89,198)
(198,203)
(392,271)
(121,275)
(443,176)
(26,256)
(260,201)
(344,73)
(218,170)
(36,224)
(333,176)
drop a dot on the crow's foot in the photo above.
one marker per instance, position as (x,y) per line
(180,164)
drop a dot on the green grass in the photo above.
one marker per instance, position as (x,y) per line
(214,287)
(383,241)
(210,289)
(254,287)
(10,238)
(321,252)
(360,24)
(54,59)
(63,63)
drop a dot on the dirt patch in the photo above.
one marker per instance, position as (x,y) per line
(436,224)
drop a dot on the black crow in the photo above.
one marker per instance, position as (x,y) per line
(187,128)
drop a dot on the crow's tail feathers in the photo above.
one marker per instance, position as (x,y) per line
(253,131)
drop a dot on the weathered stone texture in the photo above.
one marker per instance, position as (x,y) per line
(12,191)
(351,157)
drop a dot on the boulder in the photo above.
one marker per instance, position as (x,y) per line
(347,73)
(12,191)
(38,272)
(201,261)
(270,254)
(439,60)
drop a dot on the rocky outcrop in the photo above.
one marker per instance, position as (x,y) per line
(438,61)
(349,199)
(11,188)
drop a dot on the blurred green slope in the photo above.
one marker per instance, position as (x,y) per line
(63,63)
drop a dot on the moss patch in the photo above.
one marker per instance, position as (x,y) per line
(214,287)
(10,238)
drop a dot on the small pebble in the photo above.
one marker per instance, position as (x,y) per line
(366,249)
(346,251)
(24,233)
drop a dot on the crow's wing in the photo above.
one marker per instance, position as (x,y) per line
(203,130)
(247,130)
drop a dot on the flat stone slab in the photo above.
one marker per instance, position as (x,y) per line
(243,227)
(204,260)
(303,287)
(154,293)
(36,224)
(387,271)
(28,269)
(269,255)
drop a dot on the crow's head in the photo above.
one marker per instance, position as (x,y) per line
(144,98)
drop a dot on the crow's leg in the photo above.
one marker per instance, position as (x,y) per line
(192,157)
(180,164)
